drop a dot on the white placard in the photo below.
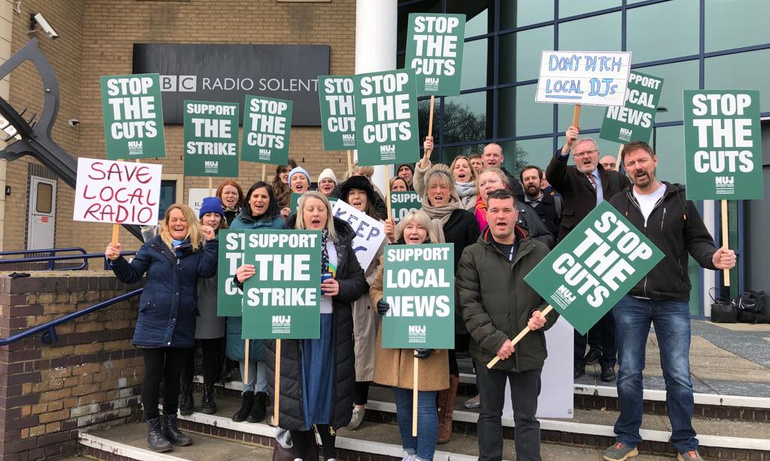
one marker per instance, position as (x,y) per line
(195,196)
(592,78)
(117,192)
(370,232)
(557,389)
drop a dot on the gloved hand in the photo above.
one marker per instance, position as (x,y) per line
(382,307)
(422,353)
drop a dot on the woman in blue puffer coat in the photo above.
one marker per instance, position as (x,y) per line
(261,210)
(165,328)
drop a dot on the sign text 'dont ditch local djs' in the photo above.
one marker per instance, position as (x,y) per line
(593,267)
(723,145)
(283,298)
(418,285)
(133,116)
(594,78)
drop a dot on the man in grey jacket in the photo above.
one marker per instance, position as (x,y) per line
(496,304)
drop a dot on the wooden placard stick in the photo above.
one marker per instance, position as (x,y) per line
(518,337)
(725,239)
(415,393)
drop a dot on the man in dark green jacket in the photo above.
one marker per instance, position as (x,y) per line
(496,304)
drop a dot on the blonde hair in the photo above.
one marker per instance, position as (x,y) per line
(470,167)
(194,232)
(300,224)
(422,219)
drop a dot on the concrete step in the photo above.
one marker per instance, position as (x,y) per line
(590,429)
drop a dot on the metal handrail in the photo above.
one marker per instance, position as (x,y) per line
(52,259)
(48,329)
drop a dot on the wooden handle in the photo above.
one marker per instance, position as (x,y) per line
(415,394)
(246,361)
(387,191)
(576,115)
(518,337)
(427,152)
(725,240)
(277,387)
(115,231)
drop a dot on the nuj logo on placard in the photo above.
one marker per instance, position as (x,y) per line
(431,83)
(281,323)
(135,148)
(625,134)
(563,297)
(725,184)
(417,333)
(388,151)
(349,140)
(211,166)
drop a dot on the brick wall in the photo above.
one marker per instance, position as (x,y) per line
(91,376)
(111,27)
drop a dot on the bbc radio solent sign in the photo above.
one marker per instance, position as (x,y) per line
(227,73)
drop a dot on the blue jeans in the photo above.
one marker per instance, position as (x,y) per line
(424,445)
(257,377)
(525,388)
(672,328)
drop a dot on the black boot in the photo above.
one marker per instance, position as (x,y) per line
(246,404)
(186,403)
(173,434)
(209,405)
(258,411)
(155,438)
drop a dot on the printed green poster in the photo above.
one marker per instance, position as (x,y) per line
(210,139)
(266,130)
(283,299)
(133,116)
(336,95)
(434,49)
(418,283)
(386,118)
(232,244)
(600,260)
(722,145)
(402,203)
(633,121)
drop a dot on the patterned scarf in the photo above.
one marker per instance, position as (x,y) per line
(440,214)
(324,251)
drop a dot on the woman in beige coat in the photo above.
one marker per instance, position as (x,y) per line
(394,367)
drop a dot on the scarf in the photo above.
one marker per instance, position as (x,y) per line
(324,251)
(481,213)
(440,214)
(465,190)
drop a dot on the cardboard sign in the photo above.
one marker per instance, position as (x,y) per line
(633,120)
(133,116)
(592,78)
(370,232)
(210,139)
(418,283)
(402,203)
(232,244)
(434,49)
(600,260)
(195,196)
(117,192)
(386,118)
(723,145)
(336,96)
(266,130)
(283,299)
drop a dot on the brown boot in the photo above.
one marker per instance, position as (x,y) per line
(446,405)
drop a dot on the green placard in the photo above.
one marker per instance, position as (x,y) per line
(336,95)
(283,299)
(266,130)
(386,118)
(600,260)
(723,145)
(434,49)
(418,283)
(402,203)
(210,138)
(229,297)
(633,121)
(133,116)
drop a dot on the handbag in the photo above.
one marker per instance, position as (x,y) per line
(723,310)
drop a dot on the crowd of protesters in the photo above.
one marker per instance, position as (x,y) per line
(501,226)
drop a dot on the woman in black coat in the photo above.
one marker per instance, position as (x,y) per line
(313,393)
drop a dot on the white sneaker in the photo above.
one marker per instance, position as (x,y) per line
(408,458)
(357,418)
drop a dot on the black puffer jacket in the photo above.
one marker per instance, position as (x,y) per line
(353,284)
(676,228)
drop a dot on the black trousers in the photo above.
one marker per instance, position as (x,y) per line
(212,362)
(162,364)
(605,327)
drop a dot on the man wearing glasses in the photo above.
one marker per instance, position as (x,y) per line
(582,187)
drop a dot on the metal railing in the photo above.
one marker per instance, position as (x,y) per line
(48,330)
(52,258)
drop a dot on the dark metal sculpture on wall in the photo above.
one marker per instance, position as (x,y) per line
(32,136)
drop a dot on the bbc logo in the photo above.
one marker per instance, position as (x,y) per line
(179,83)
